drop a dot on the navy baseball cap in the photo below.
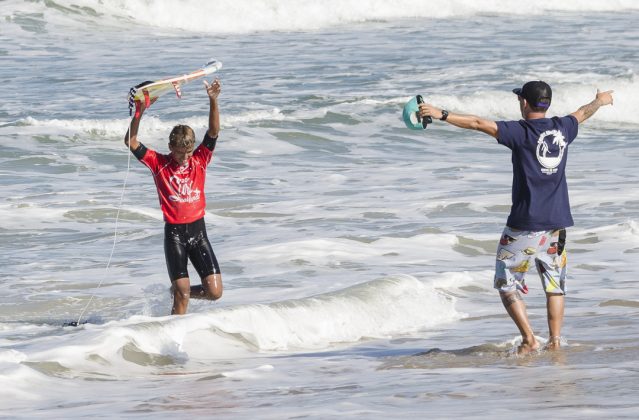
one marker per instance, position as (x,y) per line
(537,93)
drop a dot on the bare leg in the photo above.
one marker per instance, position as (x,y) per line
(516,308)
(211,288)
(181,291)
(555,310)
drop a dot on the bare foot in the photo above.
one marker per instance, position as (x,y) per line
(553,343)
(527,348)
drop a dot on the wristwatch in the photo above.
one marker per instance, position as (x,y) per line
(444,115)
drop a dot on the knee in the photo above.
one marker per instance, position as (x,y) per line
(181,291)
(182,296)
(213,286)
(508,298)
(214,292)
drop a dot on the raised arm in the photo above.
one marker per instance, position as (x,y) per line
(470,122)
(131,136)
(586,111)
(213,90)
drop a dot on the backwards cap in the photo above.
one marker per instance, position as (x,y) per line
(537,93)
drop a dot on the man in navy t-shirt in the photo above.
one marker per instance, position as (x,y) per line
(535,231)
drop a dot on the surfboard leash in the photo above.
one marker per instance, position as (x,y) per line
(115,233)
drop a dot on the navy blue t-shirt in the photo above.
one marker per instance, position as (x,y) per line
(539,154)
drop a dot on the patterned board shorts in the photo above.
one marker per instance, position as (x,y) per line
(518,250)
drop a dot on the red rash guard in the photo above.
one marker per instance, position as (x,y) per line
(180,188)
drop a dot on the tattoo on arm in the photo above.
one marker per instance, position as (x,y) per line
(509,298)
(587,111)
(590,109)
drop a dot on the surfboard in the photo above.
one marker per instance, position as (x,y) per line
(149,91)
(411,117)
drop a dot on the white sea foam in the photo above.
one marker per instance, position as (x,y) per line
(381,308)
(568,96)
(316,190)
(242,16)
(11,356)
(248,373)
(21,383)
(417,249)
(151,125)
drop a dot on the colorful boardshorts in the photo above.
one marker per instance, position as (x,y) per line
(518,250)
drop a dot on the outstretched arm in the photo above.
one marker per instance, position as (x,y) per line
(586,111)
(213,90)
(470,122)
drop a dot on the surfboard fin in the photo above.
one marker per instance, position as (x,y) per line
(147,99)
(178,91)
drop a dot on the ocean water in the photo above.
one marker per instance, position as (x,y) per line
(357,255)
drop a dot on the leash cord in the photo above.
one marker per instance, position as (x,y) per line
(117,219)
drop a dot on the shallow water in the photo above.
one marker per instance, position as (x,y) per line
(357,255)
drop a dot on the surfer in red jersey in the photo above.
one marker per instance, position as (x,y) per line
(179,178)
(535,233)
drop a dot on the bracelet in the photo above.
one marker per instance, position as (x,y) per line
(444,115)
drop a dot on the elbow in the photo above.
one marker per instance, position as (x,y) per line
(485,126)
(476,124)
(579,116)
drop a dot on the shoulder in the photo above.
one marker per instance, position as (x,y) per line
(569,124)
(511,125)
(154,159)
(509,131)
(203,154)
(569,120)
(151,154)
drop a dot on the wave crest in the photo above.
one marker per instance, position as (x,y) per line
(245,16)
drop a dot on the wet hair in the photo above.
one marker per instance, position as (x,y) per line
(182,136)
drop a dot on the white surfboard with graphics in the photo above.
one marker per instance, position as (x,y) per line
(149,91)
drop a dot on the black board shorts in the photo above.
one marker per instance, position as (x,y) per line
(188,241)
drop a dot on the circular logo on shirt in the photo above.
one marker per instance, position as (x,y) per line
(550,150)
